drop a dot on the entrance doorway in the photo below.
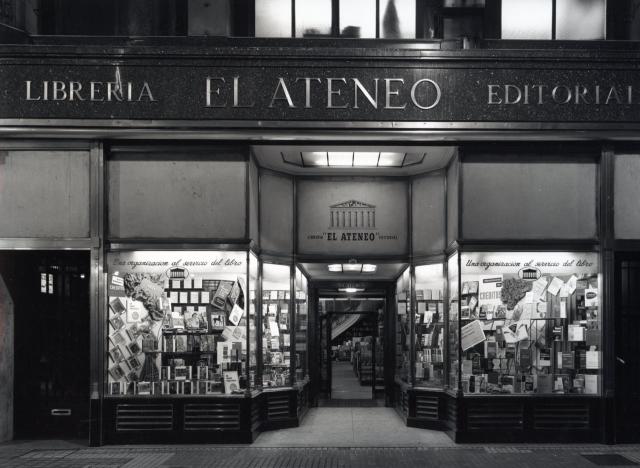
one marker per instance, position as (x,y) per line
(49,292)
(627,281)
(353,349)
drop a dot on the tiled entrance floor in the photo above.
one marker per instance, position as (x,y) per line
(353,427)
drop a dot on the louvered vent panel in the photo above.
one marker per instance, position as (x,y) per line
(211,417)
(405,403)
(277,406)
(554,416)
(452,412)
(495,415)
(142,417)
(427,407)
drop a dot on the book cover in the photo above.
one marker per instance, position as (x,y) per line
(593,360)
(116,354)
(143,388)
(220,297)
(149,344)
(568,360)
(117,306)
(180,373)
(195,320)
(234,294)
(116,372)
(116,322)
(231,381)
(134,348)
(181,343)
(165,373)
(575,333)
(134,363)
(236,314)
(491,349)
(545,357)
(545,383)
(525,358)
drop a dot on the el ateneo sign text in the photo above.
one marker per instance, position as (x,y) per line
(287,93)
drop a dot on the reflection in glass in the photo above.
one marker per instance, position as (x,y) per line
(273,18)
(358,18)
(302,318)
(253,335)
(429,325)
(526,19)
(313,18)
(397,19)
(580,19)
(403,325)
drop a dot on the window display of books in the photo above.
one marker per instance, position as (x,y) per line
(176,331)
(276,338)
(429,329)
(530,323)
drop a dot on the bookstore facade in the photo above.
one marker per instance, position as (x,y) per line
(203,190)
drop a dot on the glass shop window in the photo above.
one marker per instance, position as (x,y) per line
(529,323)
(553,19)
(179,323)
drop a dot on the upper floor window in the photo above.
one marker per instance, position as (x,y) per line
(553,19)
(367,19)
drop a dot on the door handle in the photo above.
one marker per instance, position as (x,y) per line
(61,412)
(620,360)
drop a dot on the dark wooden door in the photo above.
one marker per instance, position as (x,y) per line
(51,355)
(628,347)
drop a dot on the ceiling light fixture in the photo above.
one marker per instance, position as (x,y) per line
(346,159)
(350,290)
(352,268)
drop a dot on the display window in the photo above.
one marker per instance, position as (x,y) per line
(178,323)
(429,325)
(530,323)
(276,325)
(403,326)
(301,324)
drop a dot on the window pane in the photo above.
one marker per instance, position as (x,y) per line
(463,26)
(580,19)
(209,18)
(273,18)
(526,19)
(313,18)
(398,19)
(358,18)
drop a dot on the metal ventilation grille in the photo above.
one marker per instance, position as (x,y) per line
(277,406)
(143,417)
(404,402)
(556,416)
(211,417)
(494,415)
(452,412)
(427,407)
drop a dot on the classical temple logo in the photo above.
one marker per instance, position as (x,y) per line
(352,214)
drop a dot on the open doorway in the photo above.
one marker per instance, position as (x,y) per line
(45,307)
(354,346)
